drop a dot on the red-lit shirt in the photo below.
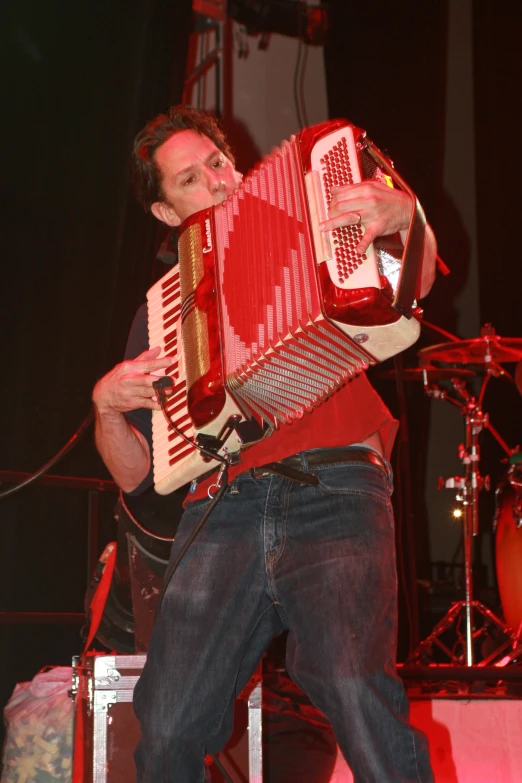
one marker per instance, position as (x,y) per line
(350,416)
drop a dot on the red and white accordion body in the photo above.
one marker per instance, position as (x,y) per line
(265,315)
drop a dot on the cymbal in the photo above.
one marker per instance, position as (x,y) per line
(489,348)
(431,374)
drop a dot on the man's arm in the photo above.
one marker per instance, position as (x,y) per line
(383,211)
(127,387)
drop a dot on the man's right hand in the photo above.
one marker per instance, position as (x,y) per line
(128,386)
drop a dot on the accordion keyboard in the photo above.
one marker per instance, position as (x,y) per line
(170,452)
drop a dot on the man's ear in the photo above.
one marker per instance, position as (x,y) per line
(165,213)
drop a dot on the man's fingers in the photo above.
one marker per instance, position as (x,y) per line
(139,383)
(128,386)
(156,364)
(146,365)
(150,353)
(371,231)
(365,241)
(347,206)
(149,402)
(136,395)
(346,219)
(150,359)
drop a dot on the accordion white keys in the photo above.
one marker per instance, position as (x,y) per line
(266,316)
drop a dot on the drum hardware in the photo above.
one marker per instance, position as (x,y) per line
(488,350)
(468,488)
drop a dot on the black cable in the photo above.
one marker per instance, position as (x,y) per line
(222,480)
(165,382)
(68,446)
(169,573)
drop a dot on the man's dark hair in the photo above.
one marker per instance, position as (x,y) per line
(146,176)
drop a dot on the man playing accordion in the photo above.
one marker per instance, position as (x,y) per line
(315,558)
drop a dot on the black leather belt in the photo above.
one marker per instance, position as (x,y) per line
(292,467)
(332,456)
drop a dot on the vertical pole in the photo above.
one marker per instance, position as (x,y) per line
(227,75)
(468,566)
(219,69)
(468,535)
(474,424)
(407,508)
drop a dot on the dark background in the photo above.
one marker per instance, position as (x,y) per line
(77,252)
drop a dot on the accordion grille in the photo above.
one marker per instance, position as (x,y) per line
(281,356)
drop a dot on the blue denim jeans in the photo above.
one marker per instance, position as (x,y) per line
(316,560)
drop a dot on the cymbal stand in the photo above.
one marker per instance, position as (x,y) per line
(468,488)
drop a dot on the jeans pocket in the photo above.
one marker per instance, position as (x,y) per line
(355,479)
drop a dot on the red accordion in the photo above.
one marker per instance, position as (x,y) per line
(266,316)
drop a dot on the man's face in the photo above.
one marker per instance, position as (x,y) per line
(195,175)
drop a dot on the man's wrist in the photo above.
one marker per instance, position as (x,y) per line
(108,414)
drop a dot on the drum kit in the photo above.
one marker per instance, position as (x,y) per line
(480,357)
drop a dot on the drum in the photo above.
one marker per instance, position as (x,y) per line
(508,542)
